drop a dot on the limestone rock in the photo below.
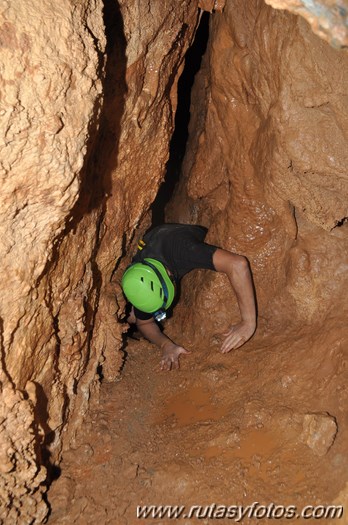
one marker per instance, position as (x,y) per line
(319,432)
(212,5)
(89,94)
(328,18)
(269,119)
(87,111)
(50,92)
(21,474)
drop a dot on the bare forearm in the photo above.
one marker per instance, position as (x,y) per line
(152,333)
(241,281)
(170,350)
(237,269)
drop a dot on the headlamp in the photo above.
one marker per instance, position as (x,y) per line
(160,315)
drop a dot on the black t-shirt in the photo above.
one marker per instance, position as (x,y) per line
(180,247)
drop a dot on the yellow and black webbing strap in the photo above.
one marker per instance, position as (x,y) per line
(141,244)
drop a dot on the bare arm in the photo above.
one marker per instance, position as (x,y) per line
(236,267)
(170,350)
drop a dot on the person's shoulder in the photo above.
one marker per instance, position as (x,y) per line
(163,229)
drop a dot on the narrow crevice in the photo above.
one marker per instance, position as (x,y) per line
(103,141)
(177,149)
(178,142)
(103,135)
(341,222)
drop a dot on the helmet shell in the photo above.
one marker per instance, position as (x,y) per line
(143,288)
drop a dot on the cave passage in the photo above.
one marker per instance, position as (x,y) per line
(179,138)
(177,147)
(263,423)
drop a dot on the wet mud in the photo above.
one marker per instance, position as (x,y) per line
(224,429)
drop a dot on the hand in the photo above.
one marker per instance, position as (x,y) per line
(237,335)
(171,353)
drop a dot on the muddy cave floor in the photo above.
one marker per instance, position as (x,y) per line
(224,429)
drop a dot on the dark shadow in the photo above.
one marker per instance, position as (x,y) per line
(103,131)
(177,148)
(178,142)
(341,222)
(103,159)
(124,351)
(40,425)
(102,151)
(96,174)
(3,364)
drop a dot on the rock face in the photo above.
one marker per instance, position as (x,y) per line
(76,112)
(328,18)
(269,120)
(265,171)
(51,61)
(319,432)
(342,501)
(88,98)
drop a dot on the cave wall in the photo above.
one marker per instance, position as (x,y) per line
(87,109)
(327,18)
(50,88)
(269,122)
(266,171)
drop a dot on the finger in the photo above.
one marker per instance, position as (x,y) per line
(165,364)
(230,343)
(241,342)
(184,351)
(233,344)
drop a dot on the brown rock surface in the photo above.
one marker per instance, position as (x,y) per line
(76,181)
(279,157)
(319,432)
(50,87)
(328,18)
(265,170)
(342,499)
(224,429)
(87,113)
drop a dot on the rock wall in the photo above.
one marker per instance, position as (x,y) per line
(88,100)
(270,123)
(87,109)
(266,172)
(50,91)
(328,18)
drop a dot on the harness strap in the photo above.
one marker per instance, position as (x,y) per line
(141,244)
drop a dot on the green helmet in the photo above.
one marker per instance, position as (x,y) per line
(148,286)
